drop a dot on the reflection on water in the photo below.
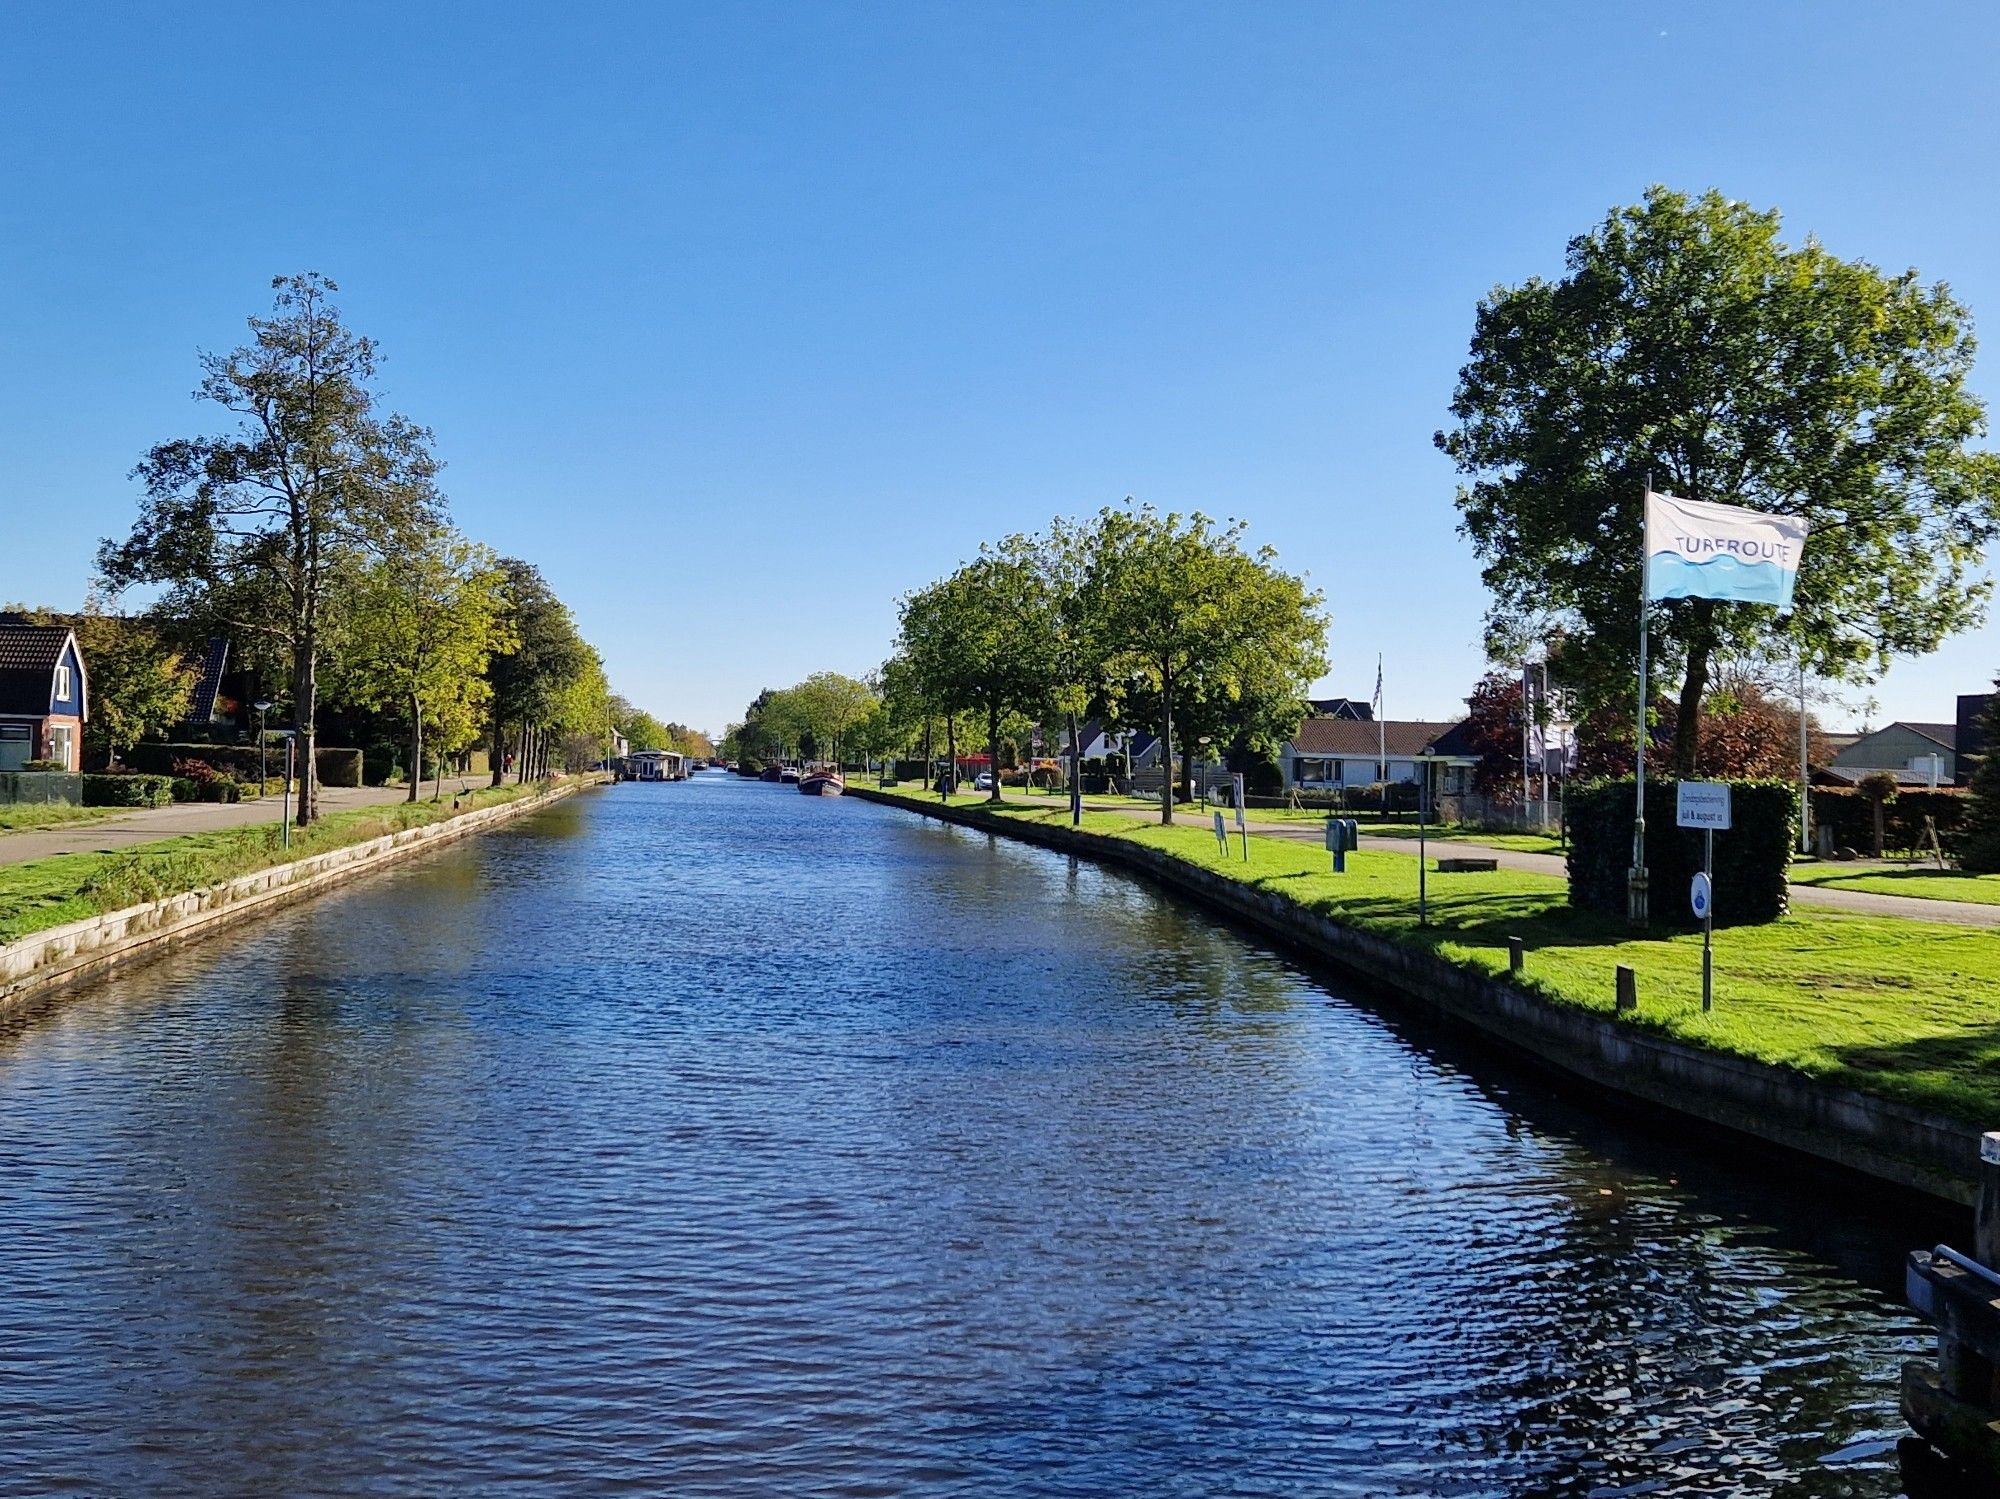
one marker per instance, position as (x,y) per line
(710,1139)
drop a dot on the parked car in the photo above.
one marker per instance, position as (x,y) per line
(983,781)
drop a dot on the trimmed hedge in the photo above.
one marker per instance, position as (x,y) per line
(239,762)
(1388,798)
(212,789)
(1751,859)
(127,791)
(1852,818)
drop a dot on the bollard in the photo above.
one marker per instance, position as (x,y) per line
(1628,988)
(1516,954)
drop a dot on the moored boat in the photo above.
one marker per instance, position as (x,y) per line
(823,781)
(789,775)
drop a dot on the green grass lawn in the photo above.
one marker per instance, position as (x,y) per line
(18,818)
(1922,882)
(1898,1007)
(43,893)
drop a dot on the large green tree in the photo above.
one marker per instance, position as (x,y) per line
(139,683)
(972,641)
(831,706)
(1200,625)
(532,685)
(282,511)
(1689,342)
(427,621)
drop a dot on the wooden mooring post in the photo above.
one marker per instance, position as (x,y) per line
(1955,1406)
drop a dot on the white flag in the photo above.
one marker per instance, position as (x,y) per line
(1696,549)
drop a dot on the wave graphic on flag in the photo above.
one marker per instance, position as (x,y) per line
(1696,549)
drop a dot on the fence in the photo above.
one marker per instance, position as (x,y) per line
(40,788)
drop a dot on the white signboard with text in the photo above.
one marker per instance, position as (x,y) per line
(1702,804)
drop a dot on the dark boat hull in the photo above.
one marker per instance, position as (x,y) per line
(821,786)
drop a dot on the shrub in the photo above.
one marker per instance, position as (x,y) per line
(1751,859)
(1851,816)
(43,765)
(338,767)
(379,763)
(127,790)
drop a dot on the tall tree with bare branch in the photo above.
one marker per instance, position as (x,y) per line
(279,513)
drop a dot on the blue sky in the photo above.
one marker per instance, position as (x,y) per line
(741,320)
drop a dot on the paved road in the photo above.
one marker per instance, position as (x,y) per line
(1854,902)
(154,823)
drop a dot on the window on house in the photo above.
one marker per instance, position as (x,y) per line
(59,745)
(62,684)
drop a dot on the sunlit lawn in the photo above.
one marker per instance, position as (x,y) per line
(1922,881)
(1899,1007)
(44,893)
(24,817)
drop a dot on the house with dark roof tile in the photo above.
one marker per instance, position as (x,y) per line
(1330,753)
(44,695)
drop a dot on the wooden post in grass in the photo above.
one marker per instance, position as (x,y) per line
(1516,955)
(1628,989)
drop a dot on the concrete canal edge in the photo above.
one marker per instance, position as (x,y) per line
(43,962)
(1893,1142)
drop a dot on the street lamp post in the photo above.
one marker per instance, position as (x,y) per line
(263,706)
(1424,763)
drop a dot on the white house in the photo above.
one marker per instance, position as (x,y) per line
(1327,754)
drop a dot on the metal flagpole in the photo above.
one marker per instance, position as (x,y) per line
(1527,793)
(1805,837)
(1381,734)
(1636,887)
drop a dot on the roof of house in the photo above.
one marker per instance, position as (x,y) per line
(1340,707)
(208,680)
(1945,734)
(1400,738)
(28,653)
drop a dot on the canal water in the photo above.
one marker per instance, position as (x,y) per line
(708,1139)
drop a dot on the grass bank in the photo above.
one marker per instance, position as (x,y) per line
(22,817)
(44,893)
(1891,1006)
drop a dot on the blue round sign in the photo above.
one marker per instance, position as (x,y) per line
(1699,896)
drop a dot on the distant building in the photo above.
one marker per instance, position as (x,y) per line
(1341,707)
(1331,753)
(44,696)
(1914,753)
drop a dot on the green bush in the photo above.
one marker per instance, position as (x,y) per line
(379,764)
(1852,817)
(1751,859)
(127,790)
(338,767)
(222,759)
(37,765)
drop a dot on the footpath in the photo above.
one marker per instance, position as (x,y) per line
(150,824)
(1854,902)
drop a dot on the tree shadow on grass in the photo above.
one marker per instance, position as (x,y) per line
(1958,1071)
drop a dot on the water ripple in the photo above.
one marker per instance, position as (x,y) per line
(714,1140)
